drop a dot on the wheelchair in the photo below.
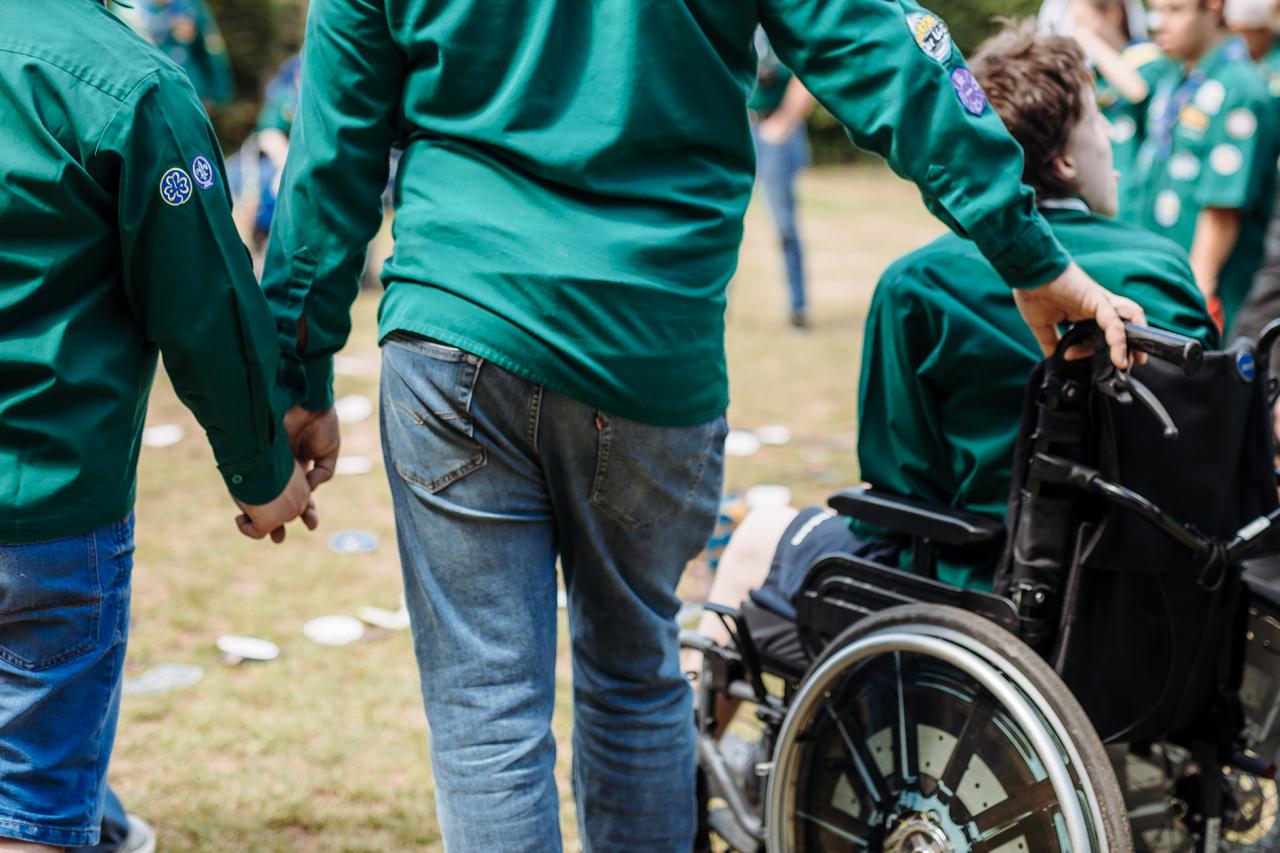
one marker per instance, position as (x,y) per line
(1119,689)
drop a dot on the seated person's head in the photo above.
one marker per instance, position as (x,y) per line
(1045,95)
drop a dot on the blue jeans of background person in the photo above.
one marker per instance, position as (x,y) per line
(64,619)
(492,477)
(776,169)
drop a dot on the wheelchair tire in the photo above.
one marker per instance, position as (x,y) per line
(986,711)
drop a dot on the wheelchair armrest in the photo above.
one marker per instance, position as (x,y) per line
(917,519)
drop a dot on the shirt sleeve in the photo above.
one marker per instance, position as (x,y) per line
(189,281)
(1232,146)
(329,206)
(887,69)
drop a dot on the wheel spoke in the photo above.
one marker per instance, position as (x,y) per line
(860,759)
(908,742)
(1026,804)
(848,835)
(966,747)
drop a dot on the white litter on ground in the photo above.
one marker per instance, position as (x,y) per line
(741,443)
(333,630)
(353,408)
(767,495)
(166,676)
(348,465)
(391,620)
(774,435)
(239,648)
(162,435)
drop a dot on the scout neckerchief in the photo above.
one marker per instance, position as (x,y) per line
(1172,97)
(1070,203)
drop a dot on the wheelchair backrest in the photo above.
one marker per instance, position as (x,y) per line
(1139,623)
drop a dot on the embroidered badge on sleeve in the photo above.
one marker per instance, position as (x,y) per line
(175,187)
(202,171)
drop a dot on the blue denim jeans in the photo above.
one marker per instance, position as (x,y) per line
(776,169)
(64,618)
(493,477)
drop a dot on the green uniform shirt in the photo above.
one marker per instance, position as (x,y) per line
(1270,65)
(569,207)
(116,240)
(1212,142)
(1128,121)
(946,358)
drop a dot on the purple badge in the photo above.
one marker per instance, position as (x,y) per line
(971,94)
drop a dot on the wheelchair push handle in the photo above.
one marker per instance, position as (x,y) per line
(1179,350)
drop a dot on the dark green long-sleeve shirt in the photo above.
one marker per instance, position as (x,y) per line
(116,241)
(946,358)
(570,199)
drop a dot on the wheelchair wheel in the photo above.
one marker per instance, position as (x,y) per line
(926,729)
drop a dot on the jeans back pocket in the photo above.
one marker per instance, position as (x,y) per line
(50,601)
(426,397)
(646,474)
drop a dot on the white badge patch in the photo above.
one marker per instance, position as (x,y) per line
(1226,159)
(1242,124)
(1210,96)
(1123,129)
(1168,208)
(931,34)
(1184,167)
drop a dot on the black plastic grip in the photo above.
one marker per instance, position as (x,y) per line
(1179,350)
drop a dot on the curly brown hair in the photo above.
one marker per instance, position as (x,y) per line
(1038,85)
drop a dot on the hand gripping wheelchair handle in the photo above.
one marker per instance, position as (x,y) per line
(1179,350)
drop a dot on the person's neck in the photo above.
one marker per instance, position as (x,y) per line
(1259,42)
(1220,35)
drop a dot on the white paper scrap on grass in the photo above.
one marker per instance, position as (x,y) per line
(349,465)
(767,495)
(353,542)
(162,435)
(353,408)
(247,648)
(774,434)
(166,676)
(391,620)
(333,630)
(741,443)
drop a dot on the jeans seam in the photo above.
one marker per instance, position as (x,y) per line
(535,416)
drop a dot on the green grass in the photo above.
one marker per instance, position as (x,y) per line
(326,748)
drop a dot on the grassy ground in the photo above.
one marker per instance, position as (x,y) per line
(325,748)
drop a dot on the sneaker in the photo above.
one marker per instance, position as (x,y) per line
(799,320)
(141,839)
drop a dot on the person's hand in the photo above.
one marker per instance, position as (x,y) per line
(776,129)
(314,437)
(1074,296)
(262,520)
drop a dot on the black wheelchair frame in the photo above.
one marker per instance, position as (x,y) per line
(1233,727)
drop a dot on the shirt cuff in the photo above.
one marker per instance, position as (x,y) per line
(1034,257)
(319,375)
(261,477)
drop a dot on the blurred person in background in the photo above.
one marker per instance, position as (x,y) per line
(1255,22)
(779,106)
(1207,165)
(1127,65)
(187,33)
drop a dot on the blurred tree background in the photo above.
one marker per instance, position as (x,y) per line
(262,33)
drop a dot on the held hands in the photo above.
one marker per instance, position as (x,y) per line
(1074,296)
(314,438)
(261,520)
